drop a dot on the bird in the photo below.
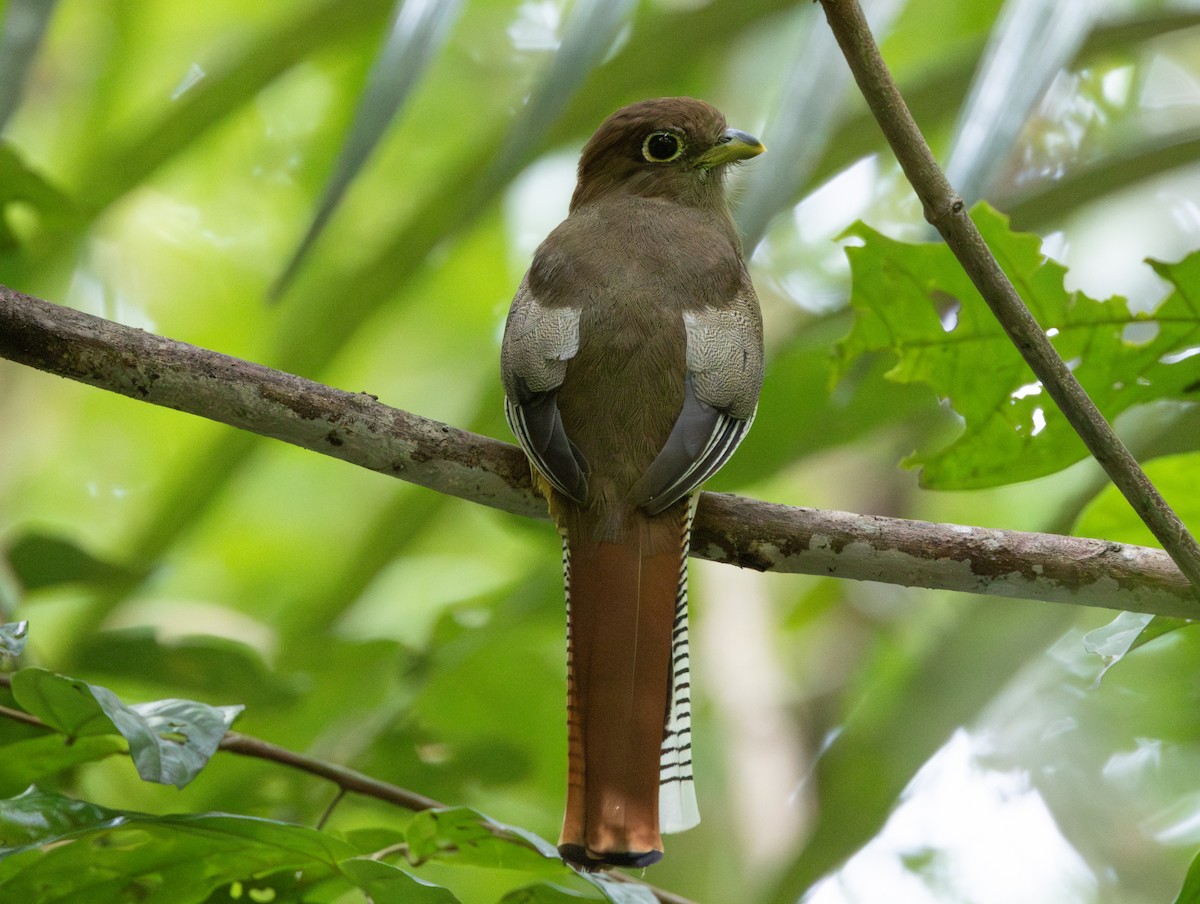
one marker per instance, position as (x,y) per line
(632,361)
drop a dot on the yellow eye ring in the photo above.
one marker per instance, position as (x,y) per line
(662,147)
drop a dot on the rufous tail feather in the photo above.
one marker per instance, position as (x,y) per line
(628,714)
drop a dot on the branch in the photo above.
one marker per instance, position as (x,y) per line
(346,779)
(945,210)
(357,428)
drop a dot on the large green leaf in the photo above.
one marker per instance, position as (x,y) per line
(546,893)
(32,759)
(44,560)
(387,884)
(199,664)
(916,302)
(36,816)
(1109,517)
(65,704)
(160,859)
(170,740)
(467,836)
(621,892)
(1190,893)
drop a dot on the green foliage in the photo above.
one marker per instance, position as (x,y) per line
(1190,893)
(160,169)
(916,302)
(87,854)
(42,560)
(170,740)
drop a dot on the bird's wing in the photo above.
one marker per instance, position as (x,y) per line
(724,375)
(538,341)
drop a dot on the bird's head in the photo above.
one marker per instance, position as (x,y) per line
(676,148)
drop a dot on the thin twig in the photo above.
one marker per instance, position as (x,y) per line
(24,718)
(348,780)
(357,428)
(946,211)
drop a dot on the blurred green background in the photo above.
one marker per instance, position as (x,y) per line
(160,166)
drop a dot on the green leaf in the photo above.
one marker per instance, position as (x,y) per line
(621,892)
(42,560)
(1127,632)
(1112,641)
(546,893)
(163,859)
(387,884)
(467,836)
(21,183)
(196,664)
(915,301)
(1190,893)
(35,816)
(32,759)
(1110,517)
(170,740)
(12,638)
(65,704)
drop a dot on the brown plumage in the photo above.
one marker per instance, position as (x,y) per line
(632,361)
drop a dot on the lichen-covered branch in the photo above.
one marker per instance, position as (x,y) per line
(359,429)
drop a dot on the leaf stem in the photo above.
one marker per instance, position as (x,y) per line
(17,716)
(347,780)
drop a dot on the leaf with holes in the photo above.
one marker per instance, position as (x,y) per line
(170,741)
(915,302)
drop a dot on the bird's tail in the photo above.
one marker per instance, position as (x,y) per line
(628,717)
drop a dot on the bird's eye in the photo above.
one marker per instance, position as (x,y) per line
(662,147)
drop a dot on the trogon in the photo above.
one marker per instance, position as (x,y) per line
(632,361)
